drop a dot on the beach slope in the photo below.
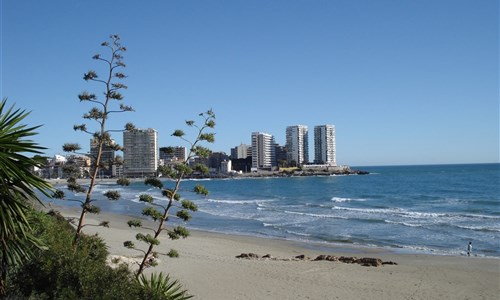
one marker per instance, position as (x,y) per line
(209,269)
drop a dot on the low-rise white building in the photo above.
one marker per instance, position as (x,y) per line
(226,166)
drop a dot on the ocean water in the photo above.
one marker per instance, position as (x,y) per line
(434,209)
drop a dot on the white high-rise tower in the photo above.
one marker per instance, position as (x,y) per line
(263,154)
(324,145)
(140,153)
(297,145)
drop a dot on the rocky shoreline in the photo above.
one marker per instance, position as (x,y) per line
(364,261)
(301,173)
(259,174)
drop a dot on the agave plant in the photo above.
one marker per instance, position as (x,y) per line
(103,107)
(161,287)
(174,207)
(17,188)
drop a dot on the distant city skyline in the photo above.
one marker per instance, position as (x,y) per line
(404,82)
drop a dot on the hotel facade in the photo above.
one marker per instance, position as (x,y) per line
(297,145)
(140,153)
(263,156)
(324,145)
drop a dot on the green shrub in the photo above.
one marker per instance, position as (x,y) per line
(65,272)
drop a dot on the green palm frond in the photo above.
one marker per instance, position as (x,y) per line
(15,166)
(18,186)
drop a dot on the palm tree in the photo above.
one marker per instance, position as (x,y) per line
(17,189)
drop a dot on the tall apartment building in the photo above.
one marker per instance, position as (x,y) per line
(297,145)
(241,151)
(108,168)
(263,156)
(140,154)
(324,145)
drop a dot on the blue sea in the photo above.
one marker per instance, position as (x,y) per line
(434,209)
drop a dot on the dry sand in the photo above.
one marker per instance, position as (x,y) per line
(209,269)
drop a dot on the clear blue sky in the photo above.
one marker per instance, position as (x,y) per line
(403,81)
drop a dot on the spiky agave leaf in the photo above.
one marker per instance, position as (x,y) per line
(159,286)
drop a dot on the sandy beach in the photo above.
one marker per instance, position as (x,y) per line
(209,269)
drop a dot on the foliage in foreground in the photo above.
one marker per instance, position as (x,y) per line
(174,207)
(104,107)
(62,272)
(18,188)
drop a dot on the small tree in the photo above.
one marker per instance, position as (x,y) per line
(100,113)
(174,206)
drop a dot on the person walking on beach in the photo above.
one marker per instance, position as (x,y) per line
(469,249)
